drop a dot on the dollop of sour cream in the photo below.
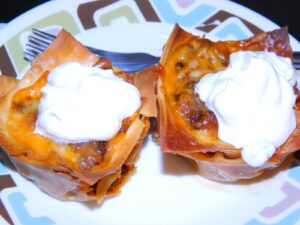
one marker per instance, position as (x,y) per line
(81,103)
(253,101)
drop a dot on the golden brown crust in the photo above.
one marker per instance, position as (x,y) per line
(64,49)
(186,126)
(7,84)
(82,172)
(145,81)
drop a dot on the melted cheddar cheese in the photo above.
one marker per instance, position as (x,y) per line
(82,171)
(186,123)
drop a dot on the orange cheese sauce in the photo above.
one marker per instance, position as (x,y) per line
(187,119)
(35,148)
(184,68)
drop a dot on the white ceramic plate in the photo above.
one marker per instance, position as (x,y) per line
(164,189)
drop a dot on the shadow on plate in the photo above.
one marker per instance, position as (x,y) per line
(4,159)
(177,165)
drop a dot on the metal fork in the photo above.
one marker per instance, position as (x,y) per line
(38,41)
(130,62)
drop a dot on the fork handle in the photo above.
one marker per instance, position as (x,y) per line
(296,57)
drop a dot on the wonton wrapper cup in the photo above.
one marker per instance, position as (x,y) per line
(213,158)
(63,174)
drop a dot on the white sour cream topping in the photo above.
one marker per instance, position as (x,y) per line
(82,103)
(253,101)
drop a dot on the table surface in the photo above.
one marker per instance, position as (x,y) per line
(282,12)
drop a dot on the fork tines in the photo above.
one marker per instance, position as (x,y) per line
(45,35)
(38,41)
(28,55)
